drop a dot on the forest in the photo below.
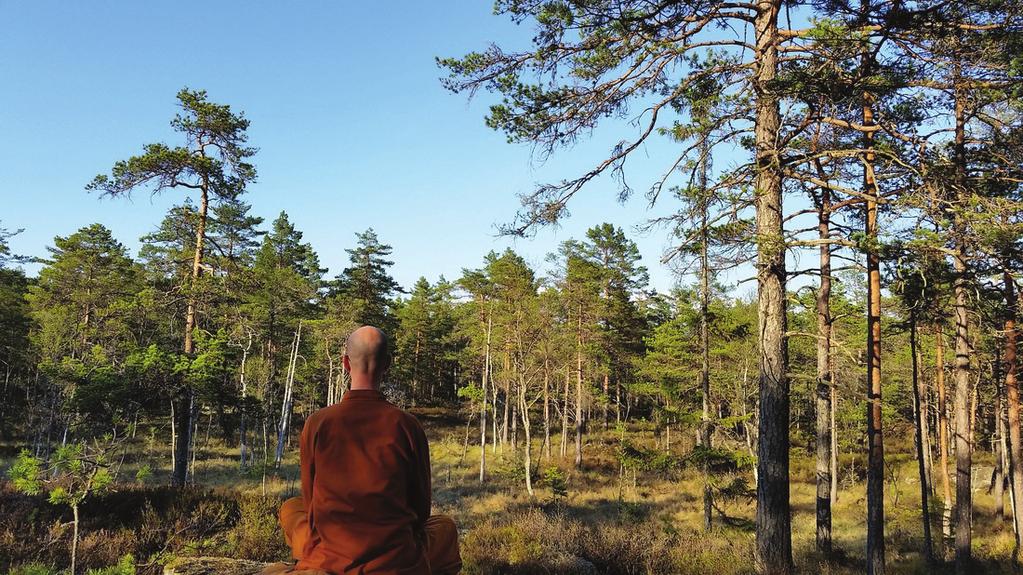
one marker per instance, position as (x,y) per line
(832,384)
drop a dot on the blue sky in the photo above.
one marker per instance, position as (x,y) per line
(353,126)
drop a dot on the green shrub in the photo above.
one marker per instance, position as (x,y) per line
(257,534)
(34,569)
(554,479)
(124,566)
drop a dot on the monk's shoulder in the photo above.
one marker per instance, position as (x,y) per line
(316,419)
(401,415)
(413,427)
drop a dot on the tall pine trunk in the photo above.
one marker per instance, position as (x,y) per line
(579,397)
(961,369)
(546,408)
(564,412)
(943,441)
(773,519)
(925,415)
(921,455)
(823,396)
(1008,513)
(706,427)
(875,441)
(834,432)
(507,402)
(1015,451)
(483,405)
(997,487)
(185,397)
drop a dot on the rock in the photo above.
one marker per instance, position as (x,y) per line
(568,563)
(212,566)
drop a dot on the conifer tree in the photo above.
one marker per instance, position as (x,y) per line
(82,307)
(366,285)
(214,165)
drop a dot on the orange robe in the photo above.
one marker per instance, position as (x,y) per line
(365,505)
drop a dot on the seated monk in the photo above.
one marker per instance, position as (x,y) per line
(365,504)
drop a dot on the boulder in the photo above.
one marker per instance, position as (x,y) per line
(568,563)
(212,566)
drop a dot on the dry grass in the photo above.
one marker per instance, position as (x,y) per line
(650,523)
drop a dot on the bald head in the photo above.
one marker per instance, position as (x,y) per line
(367,357)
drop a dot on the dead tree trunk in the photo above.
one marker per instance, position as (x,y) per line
(289,385)
(483,405)
(242,431)
(527,461)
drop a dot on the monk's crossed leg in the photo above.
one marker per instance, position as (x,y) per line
(442,552)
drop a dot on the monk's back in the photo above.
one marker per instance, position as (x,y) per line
(368,484)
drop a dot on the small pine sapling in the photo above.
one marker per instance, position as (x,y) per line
(75,472)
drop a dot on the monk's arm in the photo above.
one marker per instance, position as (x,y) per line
(422,498)
(307,463)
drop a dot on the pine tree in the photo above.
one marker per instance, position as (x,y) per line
(591,63)
(82,307)
(214,164)
(366,286)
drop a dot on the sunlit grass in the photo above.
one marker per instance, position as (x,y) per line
(631,523)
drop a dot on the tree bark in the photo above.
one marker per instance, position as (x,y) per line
(921,456)
(962,368)
(242,431)
(289,385)
(579,397)
(823,396)
(185,395)
(706,426)
(74,539)
(925,415)
(1007,506)
(174,437)
(564,414)
(773,519)
(1015,451)
(507,402)
(607,396)
(493,413)
(546,408)
(997,486)
(527,461)
(834,431)
(483,406)
(875,441)
(943,441)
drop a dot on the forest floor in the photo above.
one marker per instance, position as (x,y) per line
(602,522)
